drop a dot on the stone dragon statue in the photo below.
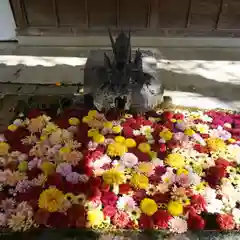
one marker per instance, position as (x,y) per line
(118,80)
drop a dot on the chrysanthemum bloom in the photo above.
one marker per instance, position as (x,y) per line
(51,199)
(161,219)
(216,144)
(175,208)
(36,124)
(126,203)
(144,147)
(139,181)
(166,134)
(225,221)
(74,157)
(129,160)
(175,160)
(64,169)
(145,168)
(48,168)
(116,149)
(4,148)
(148,206)
(178,225)
(95,217)
(113,176)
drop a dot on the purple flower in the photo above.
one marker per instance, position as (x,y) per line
(23,186)
(73,177)
(64,169)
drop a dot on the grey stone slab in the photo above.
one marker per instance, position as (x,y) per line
(9,89)
(54,90)
(27,89)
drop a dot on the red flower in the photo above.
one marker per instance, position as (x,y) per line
(95,181)
(120,219)
(162,147)
(109,211)
(75,213)
(105,187)
(198,203)
(34,113)
(204,135)
(94,193)
(124,188)
(200,148)
(214,175)
(145,222)
(128,132)
(140,139)
(225,221)
(161,197)
(167,116)
(161,218)
(41,217)
(55,180)
(143,157)
(195,222)
(221,162)
(172,144)
(178,116)
(139,195)
(109,199)
(58,220)
(135,126)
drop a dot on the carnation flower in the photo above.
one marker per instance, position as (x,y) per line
(161,219)
(73,177)
(129,160)
(109,199)
(225,221)
(126,203)
(109,211)
(64,169)
(195,222)
(145,222)
(120,219)
(198,203)
(178,225)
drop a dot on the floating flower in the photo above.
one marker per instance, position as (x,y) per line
(98,138)
(51,199)
(166,134)
(225,222)
(116,149)
(175,208)
(120,219)
(178,225)
(175,160)
(144,147)
(73,121)
(148,206)
(4,148)
(113,176)
(129,160)
(139,181)
(216,144)
(95,217)
(126,203)
(130,143)
(64,169)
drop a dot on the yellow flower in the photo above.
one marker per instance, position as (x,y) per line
(139,181)
(65,150)
(173,120)
(51,199)
(130,143)
(70,197)
(189,132)
(144,147)
(145,167)
(202,128)
(116,149)
(86,119)
(92,132)
(95,217)
(50,128)
(152,154)
(175,208)
(48,168)
(231,140)
(12,127)
(216,144)
(98,138)
(148,206)
(73,121)
(175,160)
(4,148)
(182,171)
(201,186)
(166,134)
(119,139)
(23,166)
(108,124)
(117,129)
(92,113)
(113,176)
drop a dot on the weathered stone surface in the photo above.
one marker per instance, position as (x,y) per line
(27,89)
(9,89)
(54,90)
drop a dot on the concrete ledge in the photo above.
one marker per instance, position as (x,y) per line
(138,41)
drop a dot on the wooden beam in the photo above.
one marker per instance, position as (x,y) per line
(153,14)
(19,13)
(219,14)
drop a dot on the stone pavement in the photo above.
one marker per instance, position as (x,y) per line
(200,77)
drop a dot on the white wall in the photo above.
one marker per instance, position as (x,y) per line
(7,23)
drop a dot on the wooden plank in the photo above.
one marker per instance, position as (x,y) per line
(134,13)
(72,12)
(204,14)
(40,13)
(172,13)
(19,13)
(102,13)
(230,17)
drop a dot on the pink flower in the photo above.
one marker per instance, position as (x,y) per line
(126,203)
(120,219)
(109,211)
(3,219)
(109,199)
(92,145)
(129,160)
(73,177)
(178,225)
(23,186)
(225,222)
(198,203)
(64,169)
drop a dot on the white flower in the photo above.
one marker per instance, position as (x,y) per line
(178,225)
(101,161)
(146,130)
(209,194)
(157,162)
(236,215)
(136,132)
(215,206)
(129,160)
(126,203)
(202,128)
